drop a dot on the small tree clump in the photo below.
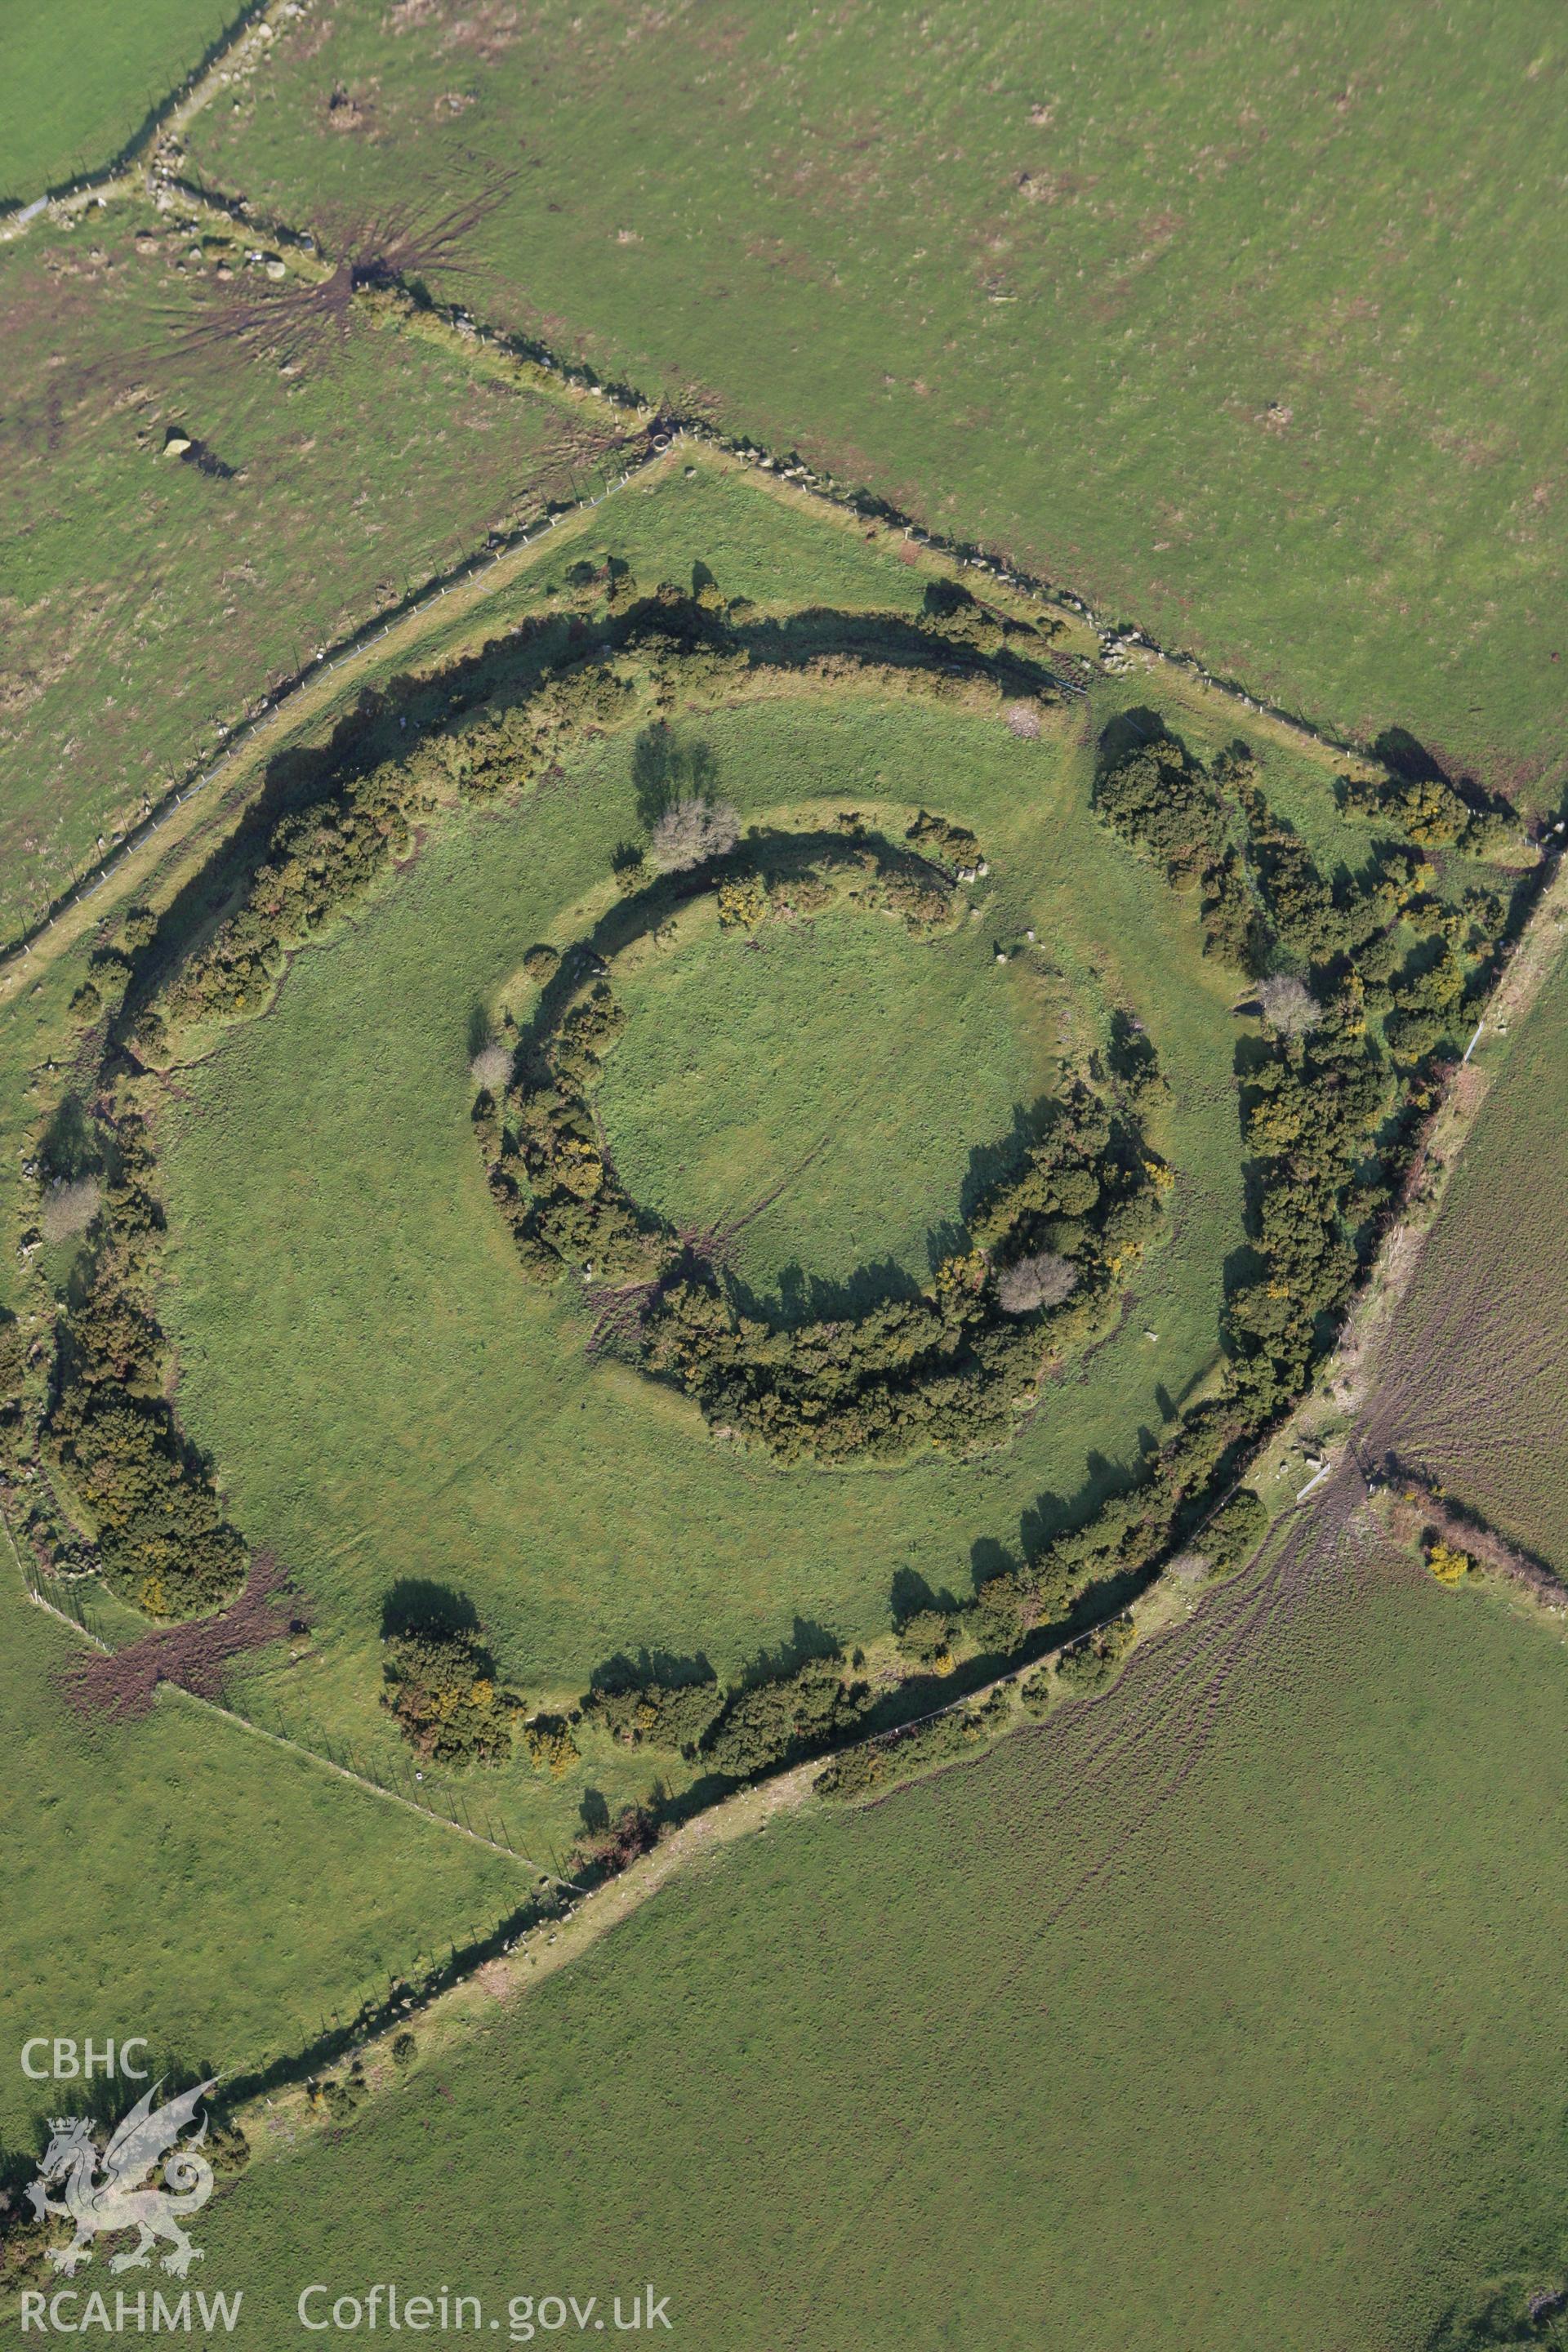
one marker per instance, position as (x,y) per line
(1043,1280)
(1288,1006)
(70,1208)
(542,963)
(927,1638)
(492,1067)
(693,833)
(404,2050)
(440,1683)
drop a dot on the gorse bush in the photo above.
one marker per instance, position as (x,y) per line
(768,1723)
(948,1737)
(1430,810)
(671,1716)
(927,1639)
(549,1744)
(1092,1663)
(158,1529)
(439,1683)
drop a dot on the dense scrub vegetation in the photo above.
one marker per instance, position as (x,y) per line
(1381,974)
(158,1529)
(946,1739)
(439,1683)
(498,723)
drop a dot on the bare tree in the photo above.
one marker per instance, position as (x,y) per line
(1288,1005)
(492,1067)
(1043,1280)
(693,832)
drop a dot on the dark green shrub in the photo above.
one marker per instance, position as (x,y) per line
(765,1724)
(1236,1530)
(440,1682)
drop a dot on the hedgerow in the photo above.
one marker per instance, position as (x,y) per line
(945,1739)
(158,1529)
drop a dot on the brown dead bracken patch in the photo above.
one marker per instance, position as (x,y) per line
(195,1657)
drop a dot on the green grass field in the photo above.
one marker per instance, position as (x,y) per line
(1224,2012)
(1118,2046)
(177,1877)
(383,1393)
(80,81)
(1241,322)
(147,601)
(842,1061)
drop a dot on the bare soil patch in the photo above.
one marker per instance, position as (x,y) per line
(196,1657)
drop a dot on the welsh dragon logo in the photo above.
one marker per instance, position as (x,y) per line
(108,2193)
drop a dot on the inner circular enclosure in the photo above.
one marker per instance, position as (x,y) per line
(814,1093)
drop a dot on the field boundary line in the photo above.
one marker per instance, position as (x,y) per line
(375,1788)
(278,704)
(660,429)
(246,40)
(293,1747)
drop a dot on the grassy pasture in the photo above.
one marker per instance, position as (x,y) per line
(175,1877)
(80,80)
(1477,1388)
(842,1061)
(1241,322)
(146,600)
(1129,2046)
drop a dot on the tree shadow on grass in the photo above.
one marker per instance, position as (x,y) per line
(415,1604)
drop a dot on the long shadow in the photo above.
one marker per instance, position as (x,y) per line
(664,1669)
(504,675)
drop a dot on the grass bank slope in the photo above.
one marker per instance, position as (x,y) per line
(1114,2040)
(1242,322)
